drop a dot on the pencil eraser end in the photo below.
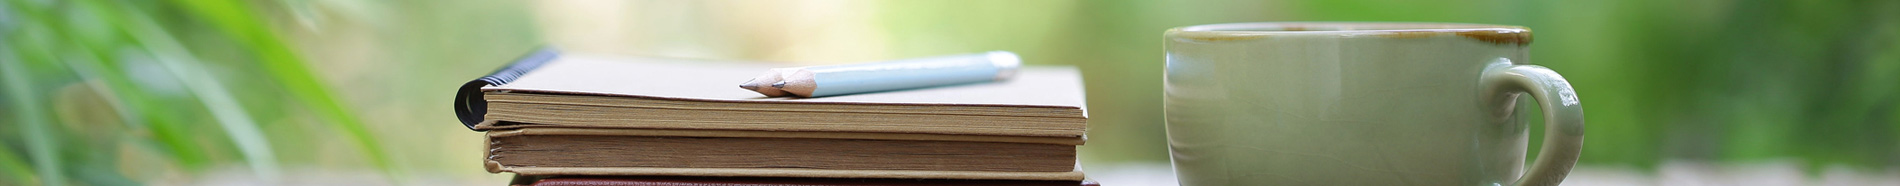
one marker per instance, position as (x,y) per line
(1006,63)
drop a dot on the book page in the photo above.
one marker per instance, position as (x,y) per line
(583,74)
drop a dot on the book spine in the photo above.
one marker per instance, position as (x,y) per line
(469,104)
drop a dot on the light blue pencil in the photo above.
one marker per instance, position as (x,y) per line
(819,81)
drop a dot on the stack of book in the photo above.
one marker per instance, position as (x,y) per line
(578,118)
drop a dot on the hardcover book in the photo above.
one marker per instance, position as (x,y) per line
(752,181)
(670,152)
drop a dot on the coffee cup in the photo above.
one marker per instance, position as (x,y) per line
(1323,103)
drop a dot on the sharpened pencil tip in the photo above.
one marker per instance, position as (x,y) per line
(780,84)
(748,85)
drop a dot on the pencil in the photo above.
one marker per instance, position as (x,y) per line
(833,80)
(763,83)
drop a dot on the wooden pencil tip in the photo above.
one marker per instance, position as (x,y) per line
(748,85)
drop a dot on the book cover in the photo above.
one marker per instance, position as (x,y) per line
(755,181)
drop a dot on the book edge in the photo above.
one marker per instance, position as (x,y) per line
(788,172)
(547,131)
(605,94)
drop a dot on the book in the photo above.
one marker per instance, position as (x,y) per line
(676,152)
(755,181)
(562,114)
(551,89)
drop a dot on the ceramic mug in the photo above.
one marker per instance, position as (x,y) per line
(1362,104)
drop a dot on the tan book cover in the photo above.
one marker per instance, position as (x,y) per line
(766,181)
(597,91)
(667,152)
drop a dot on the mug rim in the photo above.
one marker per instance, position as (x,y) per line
(1498,34)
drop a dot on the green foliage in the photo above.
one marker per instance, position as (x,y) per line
(95,88)
(157,89)
(40,146)
(237,20)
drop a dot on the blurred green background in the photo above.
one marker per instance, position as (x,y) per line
(124,92)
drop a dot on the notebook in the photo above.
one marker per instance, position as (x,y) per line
(755,181)
(552,89)
(674,152)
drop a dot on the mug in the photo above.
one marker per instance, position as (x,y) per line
(1314,103)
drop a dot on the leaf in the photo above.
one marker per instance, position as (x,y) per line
(21,98)
(237,124)
(16,171)
(282,65)
(34,46)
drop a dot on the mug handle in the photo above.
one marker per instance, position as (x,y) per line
(1563,115)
